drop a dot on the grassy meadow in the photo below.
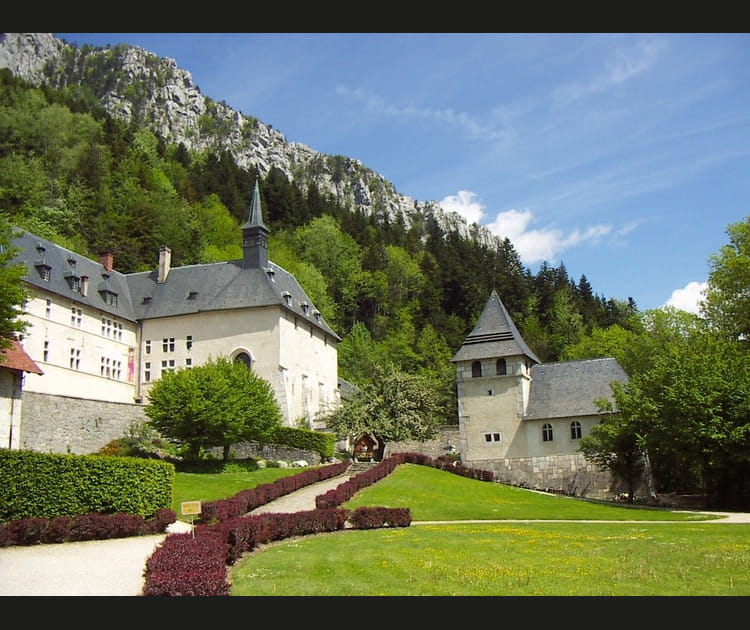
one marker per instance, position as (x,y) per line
(643,552)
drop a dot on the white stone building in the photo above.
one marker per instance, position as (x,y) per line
(521,417)
(98,334)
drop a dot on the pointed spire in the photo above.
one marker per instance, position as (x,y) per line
(256,213)
(255,235)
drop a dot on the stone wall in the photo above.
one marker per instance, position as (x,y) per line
(275,452)
(567,474)
(63,424)
(446,437)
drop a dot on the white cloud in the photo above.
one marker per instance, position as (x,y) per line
(689,297)
(466,204)
(471,126)
(545,244)
(532,245)
(628,63)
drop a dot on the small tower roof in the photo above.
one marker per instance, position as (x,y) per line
(494,336)
(255,219)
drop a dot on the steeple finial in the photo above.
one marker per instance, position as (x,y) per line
(255,235)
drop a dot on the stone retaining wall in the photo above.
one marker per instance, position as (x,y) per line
(64,424)
(565,474)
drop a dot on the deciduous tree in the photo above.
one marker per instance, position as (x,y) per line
(219,403)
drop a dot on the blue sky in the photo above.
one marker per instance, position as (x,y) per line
(623,156)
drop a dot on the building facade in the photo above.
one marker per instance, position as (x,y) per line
(98,334)
(523,418)
(15,364)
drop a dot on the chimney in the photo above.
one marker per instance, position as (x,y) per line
(84,285)
(108,260)
(165,260)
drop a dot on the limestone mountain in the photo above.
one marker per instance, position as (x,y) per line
(139,87)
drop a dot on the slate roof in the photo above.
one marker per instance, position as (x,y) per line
(189,289)
(220,286)
(569,388)
(494,336)
(63,264)
(15,358)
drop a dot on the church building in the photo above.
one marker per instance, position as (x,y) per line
(99,335)
(522,418)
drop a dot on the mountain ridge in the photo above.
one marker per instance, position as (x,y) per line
(136,85)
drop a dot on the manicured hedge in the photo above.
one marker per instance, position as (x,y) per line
(61,529)
(247,500)
(306,440)
(42,485)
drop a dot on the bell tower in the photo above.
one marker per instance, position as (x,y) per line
(493,379)
(255,235)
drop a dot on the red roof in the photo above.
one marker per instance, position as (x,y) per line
(15,358)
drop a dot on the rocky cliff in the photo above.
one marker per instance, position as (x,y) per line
(136,85)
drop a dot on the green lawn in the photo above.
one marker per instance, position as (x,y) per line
(510,559)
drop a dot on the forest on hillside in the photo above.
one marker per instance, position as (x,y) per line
(402,294)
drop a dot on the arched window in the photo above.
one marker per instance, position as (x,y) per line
(547,433)
(244,357)
(500,367)
(575,430)
(476,369)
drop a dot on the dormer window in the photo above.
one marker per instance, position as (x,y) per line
(287,297)
(316,314)
(146,299)
(271,274)
(305,307)
(109,297)
(44,270)
(74,282)
(192,295)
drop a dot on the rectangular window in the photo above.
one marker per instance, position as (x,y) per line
(75,359)
(75,317)
(148,346)
(46,351)
(147,371)
(188,362)
(189,342)
(48,312)
(167,366)
(167,345)
(45,274)
(493,437)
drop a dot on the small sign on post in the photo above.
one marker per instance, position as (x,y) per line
(191,508)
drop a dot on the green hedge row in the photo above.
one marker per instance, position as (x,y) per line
(305,439)
(45,485)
